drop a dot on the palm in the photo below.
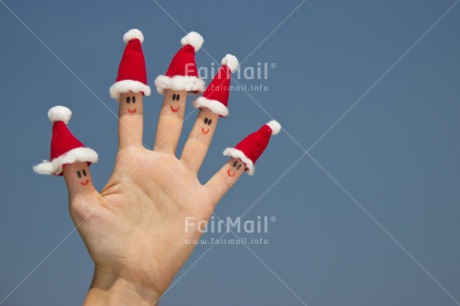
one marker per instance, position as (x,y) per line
(140,223)
(134,228)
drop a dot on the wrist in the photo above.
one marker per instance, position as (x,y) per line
(109,288)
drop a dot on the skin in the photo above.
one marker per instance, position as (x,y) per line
(131,114)
(79,186)
(170,122)
(134,228)
(236,168)
(199,139)
(78,178)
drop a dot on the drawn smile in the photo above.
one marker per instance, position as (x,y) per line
(204,132)
(85,183)
(132,111)
(175,109)
(230,173)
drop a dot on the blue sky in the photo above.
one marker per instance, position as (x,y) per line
(369,216)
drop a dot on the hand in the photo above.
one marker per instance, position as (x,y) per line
(134,228)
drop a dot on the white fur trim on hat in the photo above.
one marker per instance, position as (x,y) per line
(213,105)
(235,153)
(127,86)
(275,126)
(194,39)
(230,61)
(55,166)
(179,82)
(59,113)
(133,34)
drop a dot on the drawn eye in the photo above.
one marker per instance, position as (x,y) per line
(128,100)
(210,121)
(134,99)
(206,120)
(84,172)
(177,97)
(79,174)
(239,166)
(174,97)
(234,163)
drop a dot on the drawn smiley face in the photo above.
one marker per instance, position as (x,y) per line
(207,121)
(130,103)
(130,100)
(175,98)
(83,176)
(233,170)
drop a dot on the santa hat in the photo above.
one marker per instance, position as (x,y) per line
(132,75)
(65,148)
(182,73)
(249,149)
(215,98)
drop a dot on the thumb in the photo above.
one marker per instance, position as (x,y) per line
(83,197)
(78,180)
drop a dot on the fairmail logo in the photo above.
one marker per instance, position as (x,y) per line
(260,71)
(259,225)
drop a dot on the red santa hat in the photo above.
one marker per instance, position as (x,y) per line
(215,98)
(132,75)
(182,73)
(249,149)
(65,148)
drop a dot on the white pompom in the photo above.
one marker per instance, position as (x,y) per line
(133,34)
(230,61)
(194,39)
(45,167)
(275,126)
(59,113)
